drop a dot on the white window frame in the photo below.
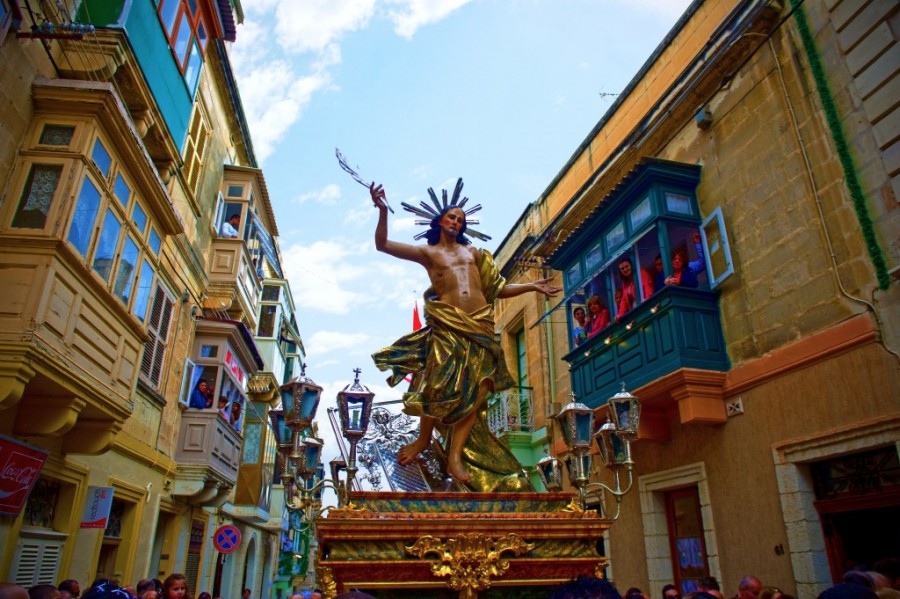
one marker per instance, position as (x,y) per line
(716,218)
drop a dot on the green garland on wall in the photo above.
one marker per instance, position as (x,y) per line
(843,148)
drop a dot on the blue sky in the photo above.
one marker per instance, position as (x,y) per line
(416,93)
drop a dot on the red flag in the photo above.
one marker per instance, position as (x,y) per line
(417,324)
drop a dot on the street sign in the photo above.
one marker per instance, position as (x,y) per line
(227,538)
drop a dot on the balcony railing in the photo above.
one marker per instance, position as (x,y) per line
(511,410)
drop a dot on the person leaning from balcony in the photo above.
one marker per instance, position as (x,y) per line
(223,408)
(199,397)
(684,273)
(230,226)
(599,315)
(579,331)
(146,589)
(658,274)
(235,419)
(628,298)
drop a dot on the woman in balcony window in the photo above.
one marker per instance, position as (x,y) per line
(684,273)
(599,315)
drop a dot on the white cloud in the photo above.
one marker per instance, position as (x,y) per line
(328,195)
(324,274)
(315,24)
(410,15)
(329,341)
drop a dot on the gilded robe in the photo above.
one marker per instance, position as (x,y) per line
(450,359)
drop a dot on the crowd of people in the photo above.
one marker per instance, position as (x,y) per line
(173,587)
(881,582)
(597,317)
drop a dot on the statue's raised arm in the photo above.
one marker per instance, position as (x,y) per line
(404,251)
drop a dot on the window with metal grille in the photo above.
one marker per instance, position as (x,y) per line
(194,147)
(158,324)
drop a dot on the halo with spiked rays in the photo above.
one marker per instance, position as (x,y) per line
(429,213)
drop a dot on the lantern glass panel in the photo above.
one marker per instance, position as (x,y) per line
(287,401)
(309,402)
(354,413)
(280,427)
(584,422)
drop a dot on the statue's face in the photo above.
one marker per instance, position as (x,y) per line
(453,221)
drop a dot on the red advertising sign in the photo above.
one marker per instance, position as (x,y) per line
(20,465)
(97,506)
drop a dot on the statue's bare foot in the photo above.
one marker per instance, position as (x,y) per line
(456,470)
(408,453)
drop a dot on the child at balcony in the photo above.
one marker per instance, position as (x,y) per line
(579,331)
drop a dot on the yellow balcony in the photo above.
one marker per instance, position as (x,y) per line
(234,286)
(69,349)
(208,455)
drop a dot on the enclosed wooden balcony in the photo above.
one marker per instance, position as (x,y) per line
(234,285)
(208,455)
(671,346)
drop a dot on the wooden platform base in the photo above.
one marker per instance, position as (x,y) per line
(474,544)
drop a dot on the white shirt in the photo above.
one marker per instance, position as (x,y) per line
(228,230)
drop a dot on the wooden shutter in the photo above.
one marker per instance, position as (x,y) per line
(194,147)
(36,561)
(158,328)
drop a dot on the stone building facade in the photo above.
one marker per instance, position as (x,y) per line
(123,149)
(759,142)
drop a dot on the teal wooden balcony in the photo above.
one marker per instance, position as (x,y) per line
(674,329)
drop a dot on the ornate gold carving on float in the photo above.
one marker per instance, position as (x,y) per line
(470,560)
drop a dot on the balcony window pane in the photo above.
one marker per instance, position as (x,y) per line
(573,275)
(143,290)
(37,196)
(168,13)
(85,214)
(101,158)
(139,218)
(57,135)
(267,318)
(106,246)
(593,257)
(183,39)
(154,241)
(193,5)
(192,70)
(615,236)
(209,351)
(640,214)
(235,191)
(678,203)
(127,267)
(201,35)
(122,191)
(270,293)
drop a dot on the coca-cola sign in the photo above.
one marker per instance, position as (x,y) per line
(20,465)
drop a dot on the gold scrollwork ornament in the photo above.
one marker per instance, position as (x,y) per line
(470,560)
